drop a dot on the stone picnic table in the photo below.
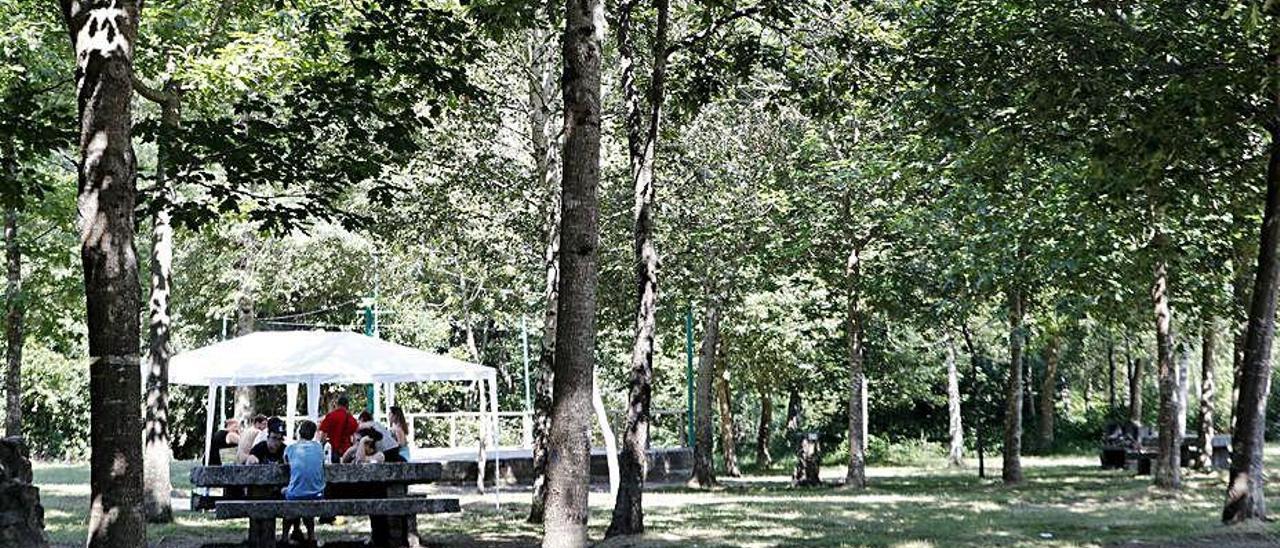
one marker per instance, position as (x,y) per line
(349,482)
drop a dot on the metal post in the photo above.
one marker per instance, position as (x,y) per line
(688,369)
(370,330)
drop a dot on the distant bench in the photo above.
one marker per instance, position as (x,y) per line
(262,515)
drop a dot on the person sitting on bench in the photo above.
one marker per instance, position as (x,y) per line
(306,480)
(364,452)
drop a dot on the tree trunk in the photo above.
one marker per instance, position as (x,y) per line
(1111,375)
(14,314)
(973,397)
(1135,392)
(569,443)
(764,431)
(157,486)
(955,456)
(795,414)
(246,396)
(856,471)
(103,36)
(1167,471)
(1245,500)
(1208,345)
(642,140)
(1048,390)
(542,134)
(703,466)
(1011,471)
(728,430)
(1241,292)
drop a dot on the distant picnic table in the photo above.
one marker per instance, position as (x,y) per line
(379,490)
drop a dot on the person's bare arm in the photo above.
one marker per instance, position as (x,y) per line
(251,460)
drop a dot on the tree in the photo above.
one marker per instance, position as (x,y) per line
(642,123)
(955,453)
(545,139)
(103,38)
(1245,500)
(570,439)
(703,465)
(1208,392)
(1048,390)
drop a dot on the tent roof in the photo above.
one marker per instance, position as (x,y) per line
(281,357)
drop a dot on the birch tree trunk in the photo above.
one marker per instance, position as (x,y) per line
(102,38)
(955,455)
(156,452)
(1048,390)
(15,312)
(569,443)
(542,133)
(246,396)
(1011,471)
(703,466)
(1245,500)
(642,140)
(856,472)
(764,431)
(1167,471)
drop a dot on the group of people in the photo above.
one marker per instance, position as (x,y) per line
(349,439)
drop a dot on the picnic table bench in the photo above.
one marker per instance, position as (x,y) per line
(379,491)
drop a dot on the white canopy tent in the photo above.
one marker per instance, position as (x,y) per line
(324,357)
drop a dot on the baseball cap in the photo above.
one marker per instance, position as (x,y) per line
(275,426)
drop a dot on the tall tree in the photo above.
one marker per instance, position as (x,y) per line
(1245,500)
(856,471)
(545,139)
(14,314)
(1011,471)
(1208,392)
(156,452)
(728,430)
(1168,469)
(103,38)
(643,114)
(703,465)
(1049,390)
(764,431)
(569,451)
(955,453)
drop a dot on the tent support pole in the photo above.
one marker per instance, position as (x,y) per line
(291,408)
(208,421)
(313,400)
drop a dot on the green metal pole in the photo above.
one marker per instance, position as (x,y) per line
(369,323)
(688,369)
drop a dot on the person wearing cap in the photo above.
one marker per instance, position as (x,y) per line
(270,450)
(337,427)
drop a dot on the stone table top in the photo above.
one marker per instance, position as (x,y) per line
(278,474)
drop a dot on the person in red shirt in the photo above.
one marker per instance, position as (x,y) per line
(337,427)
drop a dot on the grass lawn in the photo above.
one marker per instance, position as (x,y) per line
(1064,502)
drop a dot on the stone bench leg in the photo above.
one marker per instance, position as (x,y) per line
(262,533)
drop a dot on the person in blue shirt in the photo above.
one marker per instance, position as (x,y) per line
(306,478)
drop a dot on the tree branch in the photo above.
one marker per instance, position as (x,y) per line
(151,94)
(715,26)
